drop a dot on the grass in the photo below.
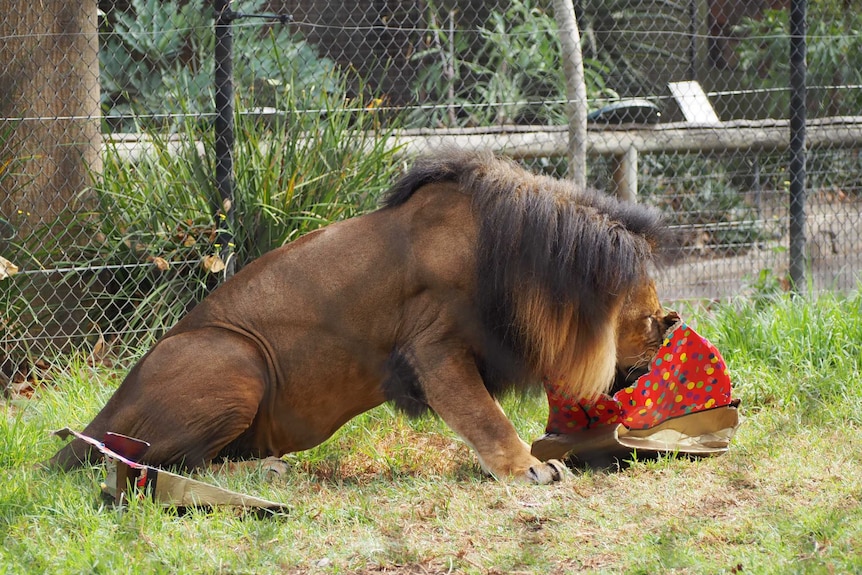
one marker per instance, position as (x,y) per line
(388,495)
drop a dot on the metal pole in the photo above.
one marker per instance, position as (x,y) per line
(797,143)
(692,43)
(224,134)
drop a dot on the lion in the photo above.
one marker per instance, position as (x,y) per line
(474,277)
(641,327)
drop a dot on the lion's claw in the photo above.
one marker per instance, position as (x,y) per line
(546,472)
(273,467)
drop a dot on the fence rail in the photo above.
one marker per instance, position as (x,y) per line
(529,142)
(551,141)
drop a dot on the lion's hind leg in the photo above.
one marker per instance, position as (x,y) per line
(191,396)
(204,390)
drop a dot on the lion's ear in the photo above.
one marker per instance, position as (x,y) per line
(669,320)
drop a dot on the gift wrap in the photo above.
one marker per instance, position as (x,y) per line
(683,404)
(127,478)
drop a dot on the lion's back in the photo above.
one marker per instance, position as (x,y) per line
(355,274)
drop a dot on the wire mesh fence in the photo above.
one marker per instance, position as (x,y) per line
(112,224)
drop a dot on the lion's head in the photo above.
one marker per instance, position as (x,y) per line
(641,327)
(553,266)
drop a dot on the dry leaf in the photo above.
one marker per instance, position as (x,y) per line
(7,268)
(26,379)
(161,264)
(100,348)
(99,355)
(21,388)
(212,264)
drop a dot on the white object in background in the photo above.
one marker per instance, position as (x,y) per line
(693,102)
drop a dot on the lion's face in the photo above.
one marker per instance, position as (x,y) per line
(641,326)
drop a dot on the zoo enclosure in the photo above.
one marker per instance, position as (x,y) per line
(109,238)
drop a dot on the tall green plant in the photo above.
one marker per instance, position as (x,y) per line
(505,77)
(307,169)
(154,226)
(156,60)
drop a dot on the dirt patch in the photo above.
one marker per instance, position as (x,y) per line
(833,246)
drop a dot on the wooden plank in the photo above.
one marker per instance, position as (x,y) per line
(551,141)
(524,142)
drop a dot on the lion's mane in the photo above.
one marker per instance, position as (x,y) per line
(554,266)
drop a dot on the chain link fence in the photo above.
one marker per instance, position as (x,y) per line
(113,222)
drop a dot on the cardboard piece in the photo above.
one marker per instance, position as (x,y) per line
(703,433)
(127,478)
(682,404)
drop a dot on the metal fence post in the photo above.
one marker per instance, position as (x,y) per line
(224,133)
(797,143)
(692,43)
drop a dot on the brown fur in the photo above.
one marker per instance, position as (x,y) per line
(641,327)
(473,278)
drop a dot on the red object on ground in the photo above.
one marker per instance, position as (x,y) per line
(687,375)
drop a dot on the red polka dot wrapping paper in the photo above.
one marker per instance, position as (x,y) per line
(686,375)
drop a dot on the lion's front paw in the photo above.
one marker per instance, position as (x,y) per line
(273,468)
(546,472)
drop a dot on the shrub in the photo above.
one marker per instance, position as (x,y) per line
(698,195)
(156,61)
(508,76)
(833,57)
(152,232)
